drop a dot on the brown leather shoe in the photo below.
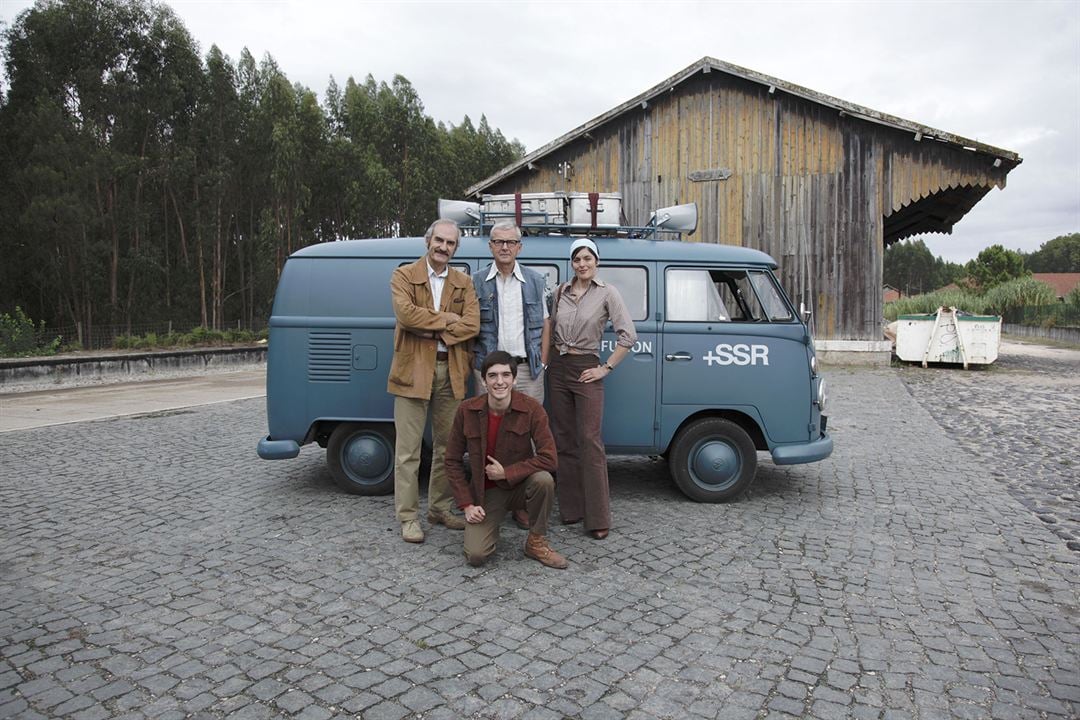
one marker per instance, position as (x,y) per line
(536,547)
(521,519)
(599,534)
(448,519)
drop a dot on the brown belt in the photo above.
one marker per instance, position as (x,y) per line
(442,356)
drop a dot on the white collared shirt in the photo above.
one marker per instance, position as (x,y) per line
(437,282)
(511,313)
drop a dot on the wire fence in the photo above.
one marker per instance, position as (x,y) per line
(1047,316)
(143,335)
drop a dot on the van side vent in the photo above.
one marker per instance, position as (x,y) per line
(329,356)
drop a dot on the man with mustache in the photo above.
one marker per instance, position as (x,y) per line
(437,314)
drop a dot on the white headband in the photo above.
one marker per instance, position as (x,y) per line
(584,243)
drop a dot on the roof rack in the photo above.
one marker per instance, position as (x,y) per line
(566,214)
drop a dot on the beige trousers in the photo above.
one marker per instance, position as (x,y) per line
(410,418)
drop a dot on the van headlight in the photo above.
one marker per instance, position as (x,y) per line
(813,364)
(822,396)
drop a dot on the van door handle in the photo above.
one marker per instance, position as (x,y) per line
(678,356)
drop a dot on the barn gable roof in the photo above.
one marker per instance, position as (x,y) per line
(1007,158)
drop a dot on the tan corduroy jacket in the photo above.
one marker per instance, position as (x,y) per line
(413,366)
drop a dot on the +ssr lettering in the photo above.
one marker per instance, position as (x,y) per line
(739,354)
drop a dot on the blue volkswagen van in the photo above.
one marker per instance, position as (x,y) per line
(723,368)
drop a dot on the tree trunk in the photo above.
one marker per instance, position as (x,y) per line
(180,224)
(165,245)
(114,264)
(199,255)
(216,270)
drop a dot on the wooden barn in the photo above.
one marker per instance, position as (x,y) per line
(821,184)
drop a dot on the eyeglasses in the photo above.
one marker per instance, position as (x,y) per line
(506,243)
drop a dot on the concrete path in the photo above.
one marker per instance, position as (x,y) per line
(22,411)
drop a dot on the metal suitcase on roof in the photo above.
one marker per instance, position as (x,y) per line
(527,208)
(591,211)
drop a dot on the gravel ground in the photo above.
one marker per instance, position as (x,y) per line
(1021,415)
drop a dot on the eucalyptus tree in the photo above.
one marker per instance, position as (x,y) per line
(216,183)
(140,183)
(1062,254)
(98,88)
(370,189)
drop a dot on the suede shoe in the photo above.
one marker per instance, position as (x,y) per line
(450,520)
(536,547)
(411,532)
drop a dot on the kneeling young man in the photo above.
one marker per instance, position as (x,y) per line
(499,429)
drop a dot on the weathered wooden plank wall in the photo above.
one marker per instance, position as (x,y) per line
(797,179)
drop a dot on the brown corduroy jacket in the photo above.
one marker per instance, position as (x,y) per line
(413,366)
(525,422)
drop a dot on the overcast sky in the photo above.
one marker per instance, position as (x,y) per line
(1002,73)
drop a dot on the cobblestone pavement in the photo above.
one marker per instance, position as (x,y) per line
(1022,417)
(154,567)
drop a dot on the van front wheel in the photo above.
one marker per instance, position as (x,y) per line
(361,458)
(713,460)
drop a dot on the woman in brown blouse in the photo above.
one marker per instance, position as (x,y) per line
(581,309)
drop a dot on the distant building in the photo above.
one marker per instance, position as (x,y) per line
(819,183)
(1063,283)
(890,294)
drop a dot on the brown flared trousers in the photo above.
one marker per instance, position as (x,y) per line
(577,413)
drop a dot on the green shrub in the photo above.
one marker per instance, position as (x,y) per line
(1073,298)
(239,336)
(930,302)
(204,336)
(19,336)
(199,336)
(1021,292)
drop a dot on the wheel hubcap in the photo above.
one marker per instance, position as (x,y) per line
(714,464)
(367,458)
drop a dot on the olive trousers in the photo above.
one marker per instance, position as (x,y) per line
(535,493)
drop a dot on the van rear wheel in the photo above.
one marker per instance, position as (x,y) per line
(361,458)
(713,460)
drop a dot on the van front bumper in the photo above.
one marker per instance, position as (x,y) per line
(804,452)
(278,449)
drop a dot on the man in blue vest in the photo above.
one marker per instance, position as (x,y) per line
(513,317)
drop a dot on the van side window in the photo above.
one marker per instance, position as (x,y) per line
(700,295)
(551,280)
(550,273)
(775,308)
(633,284)
(693,296)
